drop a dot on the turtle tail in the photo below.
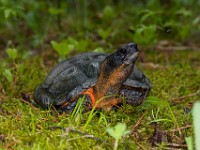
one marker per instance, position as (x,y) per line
(42,98)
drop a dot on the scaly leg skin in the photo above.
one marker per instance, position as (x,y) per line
(134,97)
(69,107)
(43,98)
(108,104)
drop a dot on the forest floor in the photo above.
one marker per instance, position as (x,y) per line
(163,121)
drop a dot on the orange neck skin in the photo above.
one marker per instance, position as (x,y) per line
(104,103)
(108,84)
(90,93)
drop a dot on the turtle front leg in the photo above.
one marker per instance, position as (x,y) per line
(134,97)
(69,106)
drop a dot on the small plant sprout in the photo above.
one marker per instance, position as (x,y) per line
(117,132)
(12,53)
(62,48)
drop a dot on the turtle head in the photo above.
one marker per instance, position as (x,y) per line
(120,62)
(125,55)
(116,68)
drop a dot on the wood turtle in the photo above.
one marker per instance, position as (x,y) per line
(104,80)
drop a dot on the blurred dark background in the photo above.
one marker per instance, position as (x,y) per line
(85,24)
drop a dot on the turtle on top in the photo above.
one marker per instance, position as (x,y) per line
(103,80)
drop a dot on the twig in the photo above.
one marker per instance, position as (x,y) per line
(142,147)
(184,97)
(69,129)
(29,103)
(176,48)
(84,136)
(54,110)
(181,128)
(175,145)
(139,121)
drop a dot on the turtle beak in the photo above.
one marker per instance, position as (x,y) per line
(132,58)
(132,54)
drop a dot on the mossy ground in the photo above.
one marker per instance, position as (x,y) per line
(175,77)
(164,119)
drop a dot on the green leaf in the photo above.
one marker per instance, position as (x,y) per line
(184,12)
(20,68)
(147,15)
(145,34)
(153,101)
(104,34)
(196,122)
(118,131)
(189,142)
(9,12)
(55,11)
(108,13)
(196,20)
(99,49)
(8,75)
(62,48)
(12,53)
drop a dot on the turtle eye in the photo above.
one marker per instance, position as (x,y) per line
(123,51)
